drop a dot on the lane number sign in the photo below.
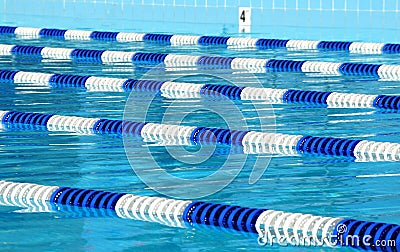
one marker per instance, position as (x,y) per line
(244,19)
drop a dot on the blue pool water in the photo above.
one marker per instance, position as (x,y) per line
(320,185)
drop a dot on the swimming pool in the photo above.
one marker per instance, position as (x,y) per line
(315,184)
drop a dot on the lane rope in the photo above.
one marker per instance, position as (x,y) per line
(382,71)
(179,40)
(191,90)
(272,227)
(251,141)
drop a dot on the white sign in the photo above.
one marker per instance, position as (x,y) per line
(244,19)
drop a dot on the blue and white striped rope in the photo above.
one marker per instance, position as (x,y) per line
(190,90)
(260,43)
(251,141)
(383,71)
(295,228)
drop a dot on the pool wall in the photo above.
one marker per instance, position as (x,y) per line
(356,20)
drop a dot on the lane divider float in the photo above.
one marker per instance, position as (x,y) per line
(294,228)
(251,141)
(391,72)
(191,90)
(259,43)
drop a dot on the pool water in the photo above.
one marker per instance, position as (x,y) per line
(320,185)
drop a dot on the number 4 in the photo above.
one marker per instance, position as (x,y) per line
(243,16)
(244,20)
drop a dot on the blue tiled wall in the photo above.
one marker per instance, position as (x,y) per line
(361,20)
